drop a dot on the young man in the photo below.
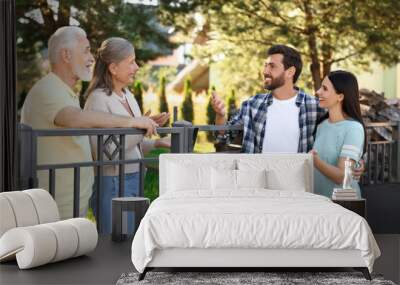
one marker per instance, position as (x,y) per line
(52,103)
(284,118)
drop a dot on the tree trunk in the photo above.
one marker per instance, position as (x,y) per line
(326,68)
(49,23)
(64,13)
(326,55)
(311,29)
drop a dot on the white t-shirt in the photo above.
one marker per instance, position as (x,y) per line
(282,129)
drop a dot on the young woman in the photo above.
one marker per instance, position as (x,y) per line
(114,70)
(340,134)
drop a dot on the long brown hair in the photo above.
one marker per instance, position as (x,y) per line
(112,50)
(345,83)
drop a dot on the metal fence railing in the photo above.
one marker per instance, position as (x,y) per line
(183,136)
(383,157)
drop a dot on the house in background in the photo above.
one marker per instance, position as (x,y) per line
(382,79)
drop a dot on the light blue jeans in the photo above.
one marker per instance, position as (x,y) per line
(110,190)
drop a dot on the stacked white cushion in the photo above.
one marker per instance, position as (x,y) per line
(7,218)
(22,207)
(32,246)
(65,236)
(46,207)
(31,232)
(87,235)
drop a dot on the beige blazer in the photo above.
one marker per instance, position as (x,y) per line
(98,100)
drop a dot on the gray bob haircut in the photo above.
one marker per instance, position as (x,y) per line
(64,37)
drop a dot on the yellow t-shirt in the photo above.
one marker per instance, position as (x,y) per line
(46,98)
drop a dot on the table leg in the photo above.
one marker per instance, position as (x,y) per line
(116,221)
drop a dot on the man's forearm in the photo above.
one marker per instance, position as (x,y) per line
(74,118)
(94,119)
(220,120)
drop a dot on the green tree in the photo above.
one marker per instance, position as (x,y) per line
(327,33)
(163,97)
(38,19)
(210,114)
(138,93)
(231,104)
(187,105)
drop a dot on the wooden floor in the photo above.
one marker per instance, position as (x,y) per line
(110,260)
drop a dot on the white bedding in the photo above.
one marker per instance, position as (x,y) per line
(252,218)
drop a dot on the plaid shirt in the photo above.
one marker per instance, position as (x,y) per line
(253,116)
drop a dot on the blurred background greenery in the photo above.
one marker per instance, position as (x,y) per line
(186,48)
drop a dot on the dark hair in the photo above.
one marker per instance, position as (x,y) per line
(345,83)
(291,57)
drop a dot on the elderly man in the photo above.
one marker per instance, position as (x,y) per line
(52,103)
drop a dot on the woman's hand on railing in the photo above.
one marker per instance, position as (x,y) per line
(145,123)
(160,119)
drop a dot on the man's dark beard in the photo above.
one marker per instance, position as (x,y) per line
(275,83)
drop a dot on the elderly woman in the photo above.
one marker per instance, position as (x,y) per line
(114,70)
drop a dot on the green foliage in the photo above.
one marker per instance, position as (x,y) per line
(232,108)
(38,19)
(187,105)
(151,184)
(163,100)
(90,215)
(163,96)
(327,33)
(138,93)
(210,114)
(151,179)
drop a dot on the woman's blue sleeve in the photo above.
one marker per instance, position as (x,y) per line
(353,143)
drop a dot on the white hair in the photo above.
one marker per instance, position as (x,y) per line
(64,37)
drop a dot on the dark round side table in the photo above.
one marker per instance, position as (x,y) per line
(138,205)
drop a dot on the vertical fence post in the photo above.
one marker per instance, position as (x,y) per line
(99,170)
(142,170)
(175,118)
(121,190)
(77,180)
(179,141)
(396,136)
(27,157)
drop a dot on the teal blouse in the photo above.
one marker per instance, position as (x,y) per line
(335,140)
